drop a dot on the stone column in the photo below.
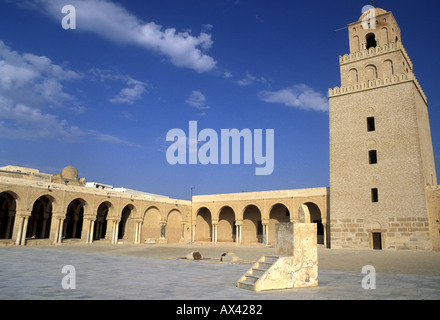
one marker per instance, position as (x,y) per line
(23,235)
(214,231)
(162,229)
(115,231)
(59,228)
(137,231)
(91,231)
(46,216)
(193,233)
(20,227)
(265,224)
(238,232)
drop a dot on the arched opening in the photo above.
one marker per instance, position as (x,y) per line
(124,223)
(385,36)
(151,225)
(353,77)
(370,73)
(101,221)
(388,68)
(226,225)
(315,217)
(40,219)
(356,44)
(74,220)
(371,41)
(173,229)
(203,225)
(7,215)
(278,214)
(252,228)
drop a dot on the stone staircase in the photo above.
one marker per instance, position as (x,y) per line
(250,280)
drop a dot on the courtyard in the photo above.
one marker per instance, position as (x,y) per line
(161,272)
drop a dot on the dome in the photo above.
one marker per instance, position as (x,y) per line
(379,11)
(70,172)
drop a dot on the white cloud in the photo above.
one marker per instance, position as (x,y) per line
(250,79)
(113,22)
(30,85)
(298,96)
(34,79)
(134,91)
(197,100)
(227,75)
(129,95)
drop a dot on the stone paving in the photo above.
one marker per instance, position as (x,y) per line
(36,273)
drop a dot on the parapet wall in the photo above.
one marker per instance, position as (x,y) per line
(373,84)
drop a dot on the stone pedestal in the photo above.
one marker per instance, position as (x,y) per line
(296,263)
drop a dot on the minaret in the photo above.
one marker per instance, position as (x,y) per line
(381,156)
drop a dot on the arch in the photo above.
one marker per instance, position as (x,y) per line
(151,224)
(384,34)
(312,214)
(388,68)
(278,213)
(173,229)
(102,214)
(353,77)
(356,44)
(371,40)
(252,228)
(370,73)
(203,225)
(41,217)
(73,222)
(8,206)
(126,225)
(226,225)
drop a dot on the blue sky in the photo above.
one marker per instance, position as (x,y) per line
(104,96)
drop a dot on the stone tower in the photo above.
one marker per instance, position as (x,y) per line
(381,155)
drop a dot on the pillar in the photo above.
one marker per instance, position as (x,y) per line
(59,228)
(115,230)
(137,231)
(91,231)
(214,232)
(23,235)
(238,232)
(20,227)
(162,229)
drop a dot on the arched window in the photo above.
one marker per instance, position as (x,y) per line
(356,44)
(353,76)
(371,41)
(370,73)
(388,68)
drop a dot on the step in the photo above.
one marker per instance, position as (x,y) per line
(264,265)
(271,259)
(251,278)
(246,285)
(258,271)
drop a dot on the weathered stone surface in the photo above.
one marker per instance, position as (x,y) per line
(195,255)
(298,269)
(229,257)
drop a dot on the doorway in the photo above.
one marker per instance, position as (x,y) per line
(377,241)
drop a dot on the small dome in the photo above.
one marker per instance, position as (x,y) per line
(70,172)
(379,11)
